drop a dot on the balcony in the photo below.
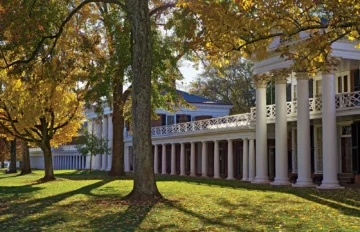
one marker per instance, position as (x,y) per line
(344,101)
(239,121)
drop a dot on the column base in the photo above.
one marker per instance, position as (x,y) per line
(192,175)
(260,181)
(173,174)
(108,169)
(230,178)
(304,184)
(280,183)
(245,179)
(204,176)
(330,185)
(217,177)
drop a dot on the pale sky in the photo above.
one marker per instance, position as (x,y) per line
(189,72)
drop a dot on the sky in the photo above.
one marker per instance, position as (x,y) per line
(189,72)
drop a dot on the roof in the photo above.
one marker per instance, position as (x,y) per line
(191,98)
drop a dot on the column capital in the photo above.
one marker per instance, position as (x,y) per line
(245,139)
(280,75)
(261,80)
(302,76)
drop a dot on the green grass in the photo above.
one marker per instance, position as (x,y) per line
(82,202)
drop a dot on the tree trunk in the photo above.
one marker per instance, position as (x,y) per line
(12,168)
(25,164)
(117,165)
(48,167)
(2,164)
(145,188)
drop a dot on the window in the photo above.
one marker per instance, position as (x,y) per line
(318,88)
(346,84)
(339,84)
(170,120)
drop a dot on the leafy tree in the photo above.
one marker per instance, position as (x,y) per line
(93,146)
(247,28)
(230,84)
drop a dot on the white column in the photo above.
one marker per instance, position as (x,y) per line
(216,160)
(127,159)
(173,159)
(104,159)
(281,148)
(251,160)
(303,132)
(77,162)
(90,128)
(156,162)
(163,164)
(230,160)
(294,150)
(192,160)
(99,135)
(71,162)
(204,161)
(182,159)
(330,180)
(245,170)
(261,132)
(110,142)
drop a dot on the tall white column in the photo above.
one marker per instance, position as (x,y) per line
(105,128)
(262,176)
(303,132)
(77,162)
(281,148)
(204,161)
(294,150)
(99,135)
(127,159)
(156,161)
(230,160)
(182,159)
(192,160)
(330,180)
(110,142)
(91,130)
(163,164)
(173,159)
(251,160)
(216,160)
(245,170)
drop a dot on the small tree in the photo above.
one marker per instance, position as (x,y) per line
(93,146)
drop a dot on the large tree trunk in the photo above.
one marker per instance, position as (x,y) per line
(25,162)
(12,168)
(145,188)
(48,167)
(117,165)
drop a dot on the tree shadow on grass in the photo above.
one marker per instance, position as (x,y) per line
(129,220)
(347,200)
(23,211)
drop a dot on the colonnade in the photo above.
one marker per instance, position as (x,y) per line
(69,162)
(248,159)
(255,168)
(102,128)
(302,153)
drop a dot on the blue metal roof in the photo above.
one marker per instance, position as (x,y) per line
(191,98)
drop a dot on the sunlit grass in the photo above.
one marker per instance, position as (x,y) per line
(82,202)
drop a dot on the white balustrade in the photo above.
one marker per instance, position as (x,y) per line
(344,100)
(221,123)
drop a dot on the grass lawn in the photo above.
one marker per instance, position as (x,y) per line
(82,202)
